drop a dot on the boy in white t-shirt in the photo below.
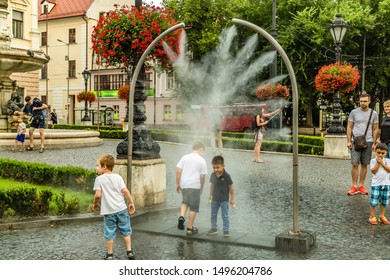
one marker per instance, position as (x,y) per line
(111,193)
(190,177)
(380,184)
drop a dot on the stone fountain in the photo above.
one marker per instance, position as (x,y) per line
(11,100)
(11,61)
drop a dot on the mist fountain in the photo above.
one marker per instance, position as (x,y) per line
(221,75)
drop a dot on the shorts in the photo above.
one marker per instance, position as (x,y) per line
(363,156)
(191,198)
(379,194)
(38,122)
(259,135)
(20,138)
(120,220)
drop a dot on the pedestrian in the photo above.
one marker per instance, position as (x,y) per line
(385,128)
(191,171)
(20,135)
(53,117)
(111,196)
(221,188)
(261,122)
(361,121)
(380,184)
(215,119)
(37,109)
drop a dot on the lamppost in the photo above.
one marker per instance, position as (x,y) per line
(337,29)
(67,78)
(86,75)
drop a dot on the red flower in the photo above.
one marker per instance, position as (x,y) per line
(123,92)
(86,96)
(272,91)
(127,32)
(336,76)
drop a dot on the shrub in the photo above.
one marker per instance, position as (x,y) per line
(65,207)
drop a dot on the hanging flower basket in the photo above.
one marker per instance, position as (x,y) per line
(336,76)
(122,35)
(123,92)
(272,91)
(86,96)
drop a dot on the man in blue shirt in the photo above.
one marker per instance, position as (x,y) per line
(37,109)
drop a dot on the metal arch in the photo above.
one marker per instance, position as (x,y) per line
(131,99)
(286,60)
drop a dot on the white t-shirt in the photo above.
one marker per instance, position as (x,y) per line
(113,200)
(193,165)
(381,177)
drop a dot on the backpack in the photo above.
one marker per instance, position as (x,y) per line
(254,124)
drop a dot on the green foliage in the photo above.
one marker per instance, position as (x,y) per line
(43,174)
(66,207)
(24,201)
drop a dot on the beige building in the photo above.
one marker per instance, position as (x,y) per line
(22,22)
(65,28)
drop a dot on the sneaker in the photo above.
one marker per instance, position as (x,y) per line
(192,231)
(130,254)
(226,234)
(352,191)
(108,256)
(212,231)
(362,190)
(180,223)
(383,220)
(372,220)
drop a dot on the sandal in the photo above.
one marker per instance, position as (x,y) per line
(191,231)
(42,150)
(130,254)
(29,148)
(108,256)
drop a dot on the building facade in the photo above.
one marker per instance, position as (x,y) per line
(22,23)
(65,28)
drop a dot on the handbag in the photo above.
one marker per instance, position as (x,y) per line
(359,142)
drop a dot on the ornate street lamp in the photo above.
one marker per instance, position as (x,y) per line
(338,29)
(86,75)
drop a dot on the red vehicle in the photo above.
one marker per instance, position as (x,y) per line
(237,117)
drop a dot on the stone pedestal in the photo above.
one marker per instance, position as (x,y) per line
(335,146)
(301,243)
(148,184)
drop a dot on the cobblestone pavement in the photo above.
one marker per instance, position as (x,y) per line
(263,204)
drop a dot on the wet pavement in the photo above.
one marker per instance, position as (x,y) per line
(264,207)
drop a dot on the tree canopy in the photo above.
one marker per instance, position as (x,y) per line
(302,30)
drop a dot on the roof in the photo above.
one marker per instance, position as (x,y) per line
(65,8)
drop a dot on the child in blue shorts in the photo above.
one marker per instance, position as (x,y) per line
(111,193)
(380,184)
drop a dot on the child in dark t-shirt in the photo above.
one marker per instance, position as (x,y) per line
(221,187)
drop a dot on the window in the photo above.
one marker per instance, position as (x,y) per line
(179,113)
(72,69)
(44,72)
(116,112)
(17,24)
(148,80)
(167,113)
(109,82)
(72,35)
(44,38)
(170,80)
